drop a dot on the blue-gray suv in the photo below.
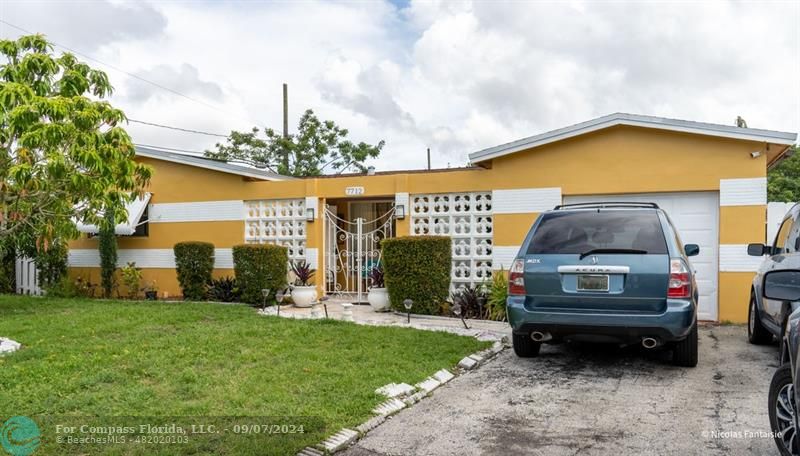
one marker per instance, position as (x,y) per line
(604,272)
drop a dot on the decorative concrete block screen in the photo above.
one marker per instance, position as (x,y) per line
(467,219)
(280,222)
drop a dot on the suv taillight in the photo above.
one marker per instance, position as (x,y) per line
(680,282)
(516,278)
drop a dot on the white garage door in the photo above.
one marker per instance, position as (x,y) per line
(696,216)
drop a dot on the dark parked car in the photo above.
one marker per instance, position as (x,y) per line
(604,272)
(767,317)
(784,286)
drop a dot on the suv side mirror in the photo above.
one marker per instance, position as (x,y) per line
(691,249)
(782,285)
(758,249)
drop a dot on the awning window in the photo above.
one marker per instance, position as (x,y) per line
(135,210)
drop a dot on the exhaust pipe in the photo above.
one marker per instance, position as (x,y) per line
(540,336)
(649,342)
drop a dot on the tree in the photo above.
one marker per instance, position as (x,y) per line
(784,179)
(63,156)
(318,146)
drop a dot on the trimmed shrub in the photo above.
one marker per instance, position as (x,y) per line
(194,262)
(108,256)
(51,264)
(259,266)
(417,268)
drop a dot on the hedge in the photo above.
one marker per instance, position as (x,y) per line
(8,276)
(51,264)
(417,268)
(259,266)
(194,262)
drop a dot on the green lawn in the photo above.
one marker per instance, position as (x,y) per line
(191,360)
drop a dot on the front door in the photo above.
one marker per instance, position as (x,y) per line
(353,234)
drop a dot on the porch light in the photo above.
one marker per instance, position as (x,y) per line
(400,211)
(457,312)
(408,303)
(310,215)
(279,296)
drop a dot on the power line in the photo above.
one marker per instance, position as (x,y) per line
(185,130)
(155,84)
(172,149)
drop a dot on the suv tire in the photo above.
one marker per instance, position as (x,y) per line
(524,346)
(757,334)
(779,387)
(685,351)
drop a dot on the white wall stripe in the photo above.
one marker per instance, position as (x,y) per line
(734,258)
(743,192)
(312,202)
(503,255)
(203,211)
(524,200)
(144,258)
(312,257)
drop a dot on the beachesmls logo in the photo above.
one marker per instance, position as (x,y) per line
(20,436)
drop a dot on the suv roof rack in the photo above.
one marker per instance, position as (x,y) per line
(606,204)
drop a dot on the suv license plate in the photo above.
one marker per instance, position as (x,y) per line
(592,282)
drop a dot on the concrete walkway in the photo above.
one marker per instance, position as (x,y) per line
(362,314)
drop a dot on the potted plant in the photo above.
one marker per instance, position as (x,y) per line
(378,296)
(151,291)
(303,292)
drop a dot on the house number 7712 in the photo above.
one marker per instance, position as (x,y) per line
(350,191)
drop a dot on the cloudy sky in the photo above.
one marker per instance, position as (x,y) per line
(453,76)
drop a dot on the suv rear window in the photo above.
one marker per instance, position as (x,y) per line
(581,231)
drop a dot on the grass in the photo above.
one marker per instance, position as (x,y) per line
(87,358)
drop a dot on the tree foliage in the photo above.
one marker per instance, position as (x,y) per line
(317,147)
(63,156)
(784,179)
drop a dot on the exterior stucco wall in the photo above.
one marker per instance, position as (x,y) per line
(616,160)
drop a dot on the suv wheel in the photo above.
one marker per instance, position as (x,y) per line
(782,411)
(685,351)
(524,346)
(757,334)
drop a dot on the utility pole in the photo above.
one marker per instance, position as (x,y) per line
(286,122)
(429,158)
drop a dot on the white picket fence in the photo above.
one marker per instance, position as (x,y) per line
(775,213)
(27,277)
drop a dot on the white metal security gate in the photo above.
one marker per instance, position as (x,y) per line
(352,249)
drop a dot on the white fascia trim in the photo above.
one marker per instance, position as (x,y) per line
(135,210)
(503,256)
(734,258)
(525,200)
(201,162)
(144,258)
(684,126)
(201,211)
(743,192)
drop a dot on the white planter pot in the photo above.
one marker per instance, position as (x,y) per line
(304,296)
(379,299)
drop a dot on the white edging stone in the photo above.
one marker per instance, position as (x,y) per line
(443,376)
(395,390)
(308,451)
(428,385)
(391,406)
(339,440)
(467,363)
(8,346)
(371,424)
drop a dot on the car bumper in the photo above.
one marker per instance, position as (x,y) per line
(673,324)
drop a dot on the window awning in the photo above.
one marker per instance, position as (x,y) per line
(135,210)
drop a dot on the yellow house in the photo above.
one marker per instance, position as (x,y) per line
(710,178)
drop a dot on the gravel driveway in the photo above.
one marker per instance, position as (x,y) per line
(595,400)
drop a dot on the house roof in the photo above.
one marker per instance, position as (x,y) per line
(207,163)
(635,120)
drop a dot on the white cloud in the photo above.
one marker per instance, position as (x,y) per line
(453,76)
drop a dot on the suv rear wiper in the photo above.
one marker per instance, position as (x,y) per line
(593,251)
